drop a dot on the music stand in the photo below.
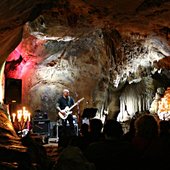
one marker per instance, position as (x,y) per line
(89,113)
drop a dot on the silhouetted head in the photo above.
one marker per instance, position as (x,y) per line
(146,126)
(84,128)
(96,125)
(113,129)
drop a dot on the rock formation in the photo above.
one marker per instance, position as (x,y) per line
(95,48)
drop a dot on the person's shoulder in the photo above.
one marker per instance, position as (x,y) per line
(60,98)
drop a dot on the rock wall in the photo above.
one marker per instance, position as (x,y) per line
(47,67)
(95,65)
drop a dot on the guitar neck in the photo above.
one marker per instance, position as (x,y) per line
(73,106)
(76,103)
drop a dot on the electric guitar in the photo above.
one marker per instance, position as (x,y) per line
(65,112)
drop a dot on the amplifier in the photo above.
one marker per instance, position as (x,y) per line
(38,114)
(41,126)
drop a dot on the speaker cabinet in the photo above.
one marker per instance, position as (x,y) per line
(41,127)
(13,91)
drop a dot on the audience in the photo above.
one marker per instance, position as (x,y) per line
(37,153)
(71,158)
(107,147)
(151,151)
(112,152)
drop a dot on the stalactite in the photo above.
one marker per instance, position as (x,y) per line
(136,98)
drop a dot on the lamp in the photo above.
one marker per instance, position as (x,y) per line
(21,120)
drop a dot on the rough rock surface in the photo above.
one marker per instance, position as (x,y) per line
(91,47)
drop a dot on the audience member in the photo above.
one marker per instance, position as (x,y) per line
(112,152)
(71,158)
(95,130)
(151,152)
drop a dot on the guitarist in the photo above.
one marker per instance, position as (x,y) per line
(63,102)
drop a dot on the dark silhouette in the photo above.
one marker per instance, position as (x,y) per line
(112,152)
(151,150)
(36,152)
(95,130)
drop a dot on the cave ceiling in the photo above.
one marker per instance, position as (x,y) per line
(97,45)
(143,22)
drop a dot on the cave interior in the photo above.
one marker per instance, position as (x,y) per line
(114,54)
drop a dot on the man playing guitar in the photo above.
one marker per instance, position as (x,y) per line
(63,104)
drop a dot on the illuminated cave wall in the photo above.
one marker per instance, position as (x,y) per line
(22,63)
(86,66)
(47,67)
